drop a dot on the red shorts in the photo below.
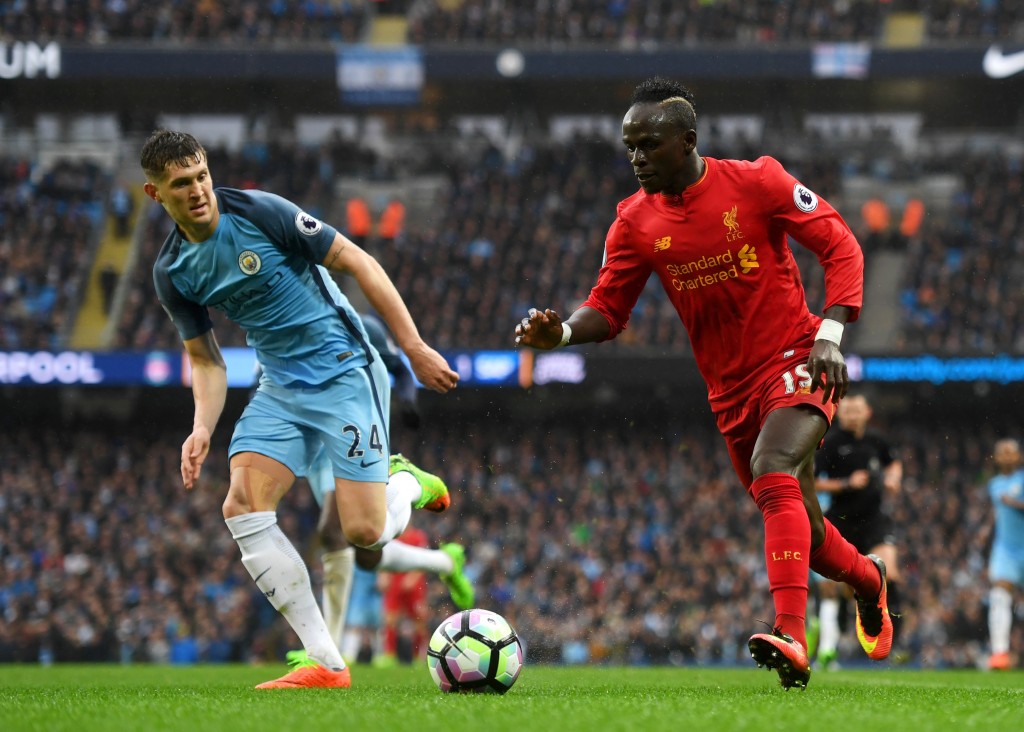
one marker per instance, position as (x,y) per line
(786,383)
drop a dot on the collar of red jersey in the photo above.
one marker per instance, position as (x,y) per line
(676,199)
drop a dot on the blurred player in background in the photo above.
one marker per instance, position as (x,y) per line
(338,557)
(716,233)
(856,468)
(405,606)
(1006,562)
(264,262)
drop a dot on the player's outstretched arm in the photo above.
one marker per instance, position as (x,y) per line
(542,329)
(826,364)
(429,365)
(209,390)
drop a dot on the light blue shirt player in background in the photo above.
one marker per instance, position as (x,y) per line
(259,259)
(1006,564)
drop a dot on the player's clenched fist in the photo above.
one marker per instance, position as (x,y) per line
(431,369)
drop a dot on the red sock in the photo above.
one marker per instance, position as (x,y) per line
(391,639)
(840,561)
(787,544)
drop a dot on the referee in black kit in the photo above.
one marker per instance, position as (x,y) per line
(856,468)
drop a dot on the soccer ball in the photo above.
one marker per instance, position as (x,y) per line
(475,650)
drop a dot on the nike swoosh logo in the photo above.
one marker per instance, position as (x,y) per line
(868,644)
(257,578)
(364,464)
(998,65)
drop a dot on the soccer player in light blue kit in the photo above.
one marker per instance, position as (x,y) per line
(337,557)
(1006,563)
(259,259)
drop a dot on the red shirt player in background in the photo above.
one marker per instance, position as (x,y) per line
(405,600)
(716,234)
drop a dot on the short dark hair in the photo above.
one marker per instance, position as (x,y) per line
(678,101)
(166,147)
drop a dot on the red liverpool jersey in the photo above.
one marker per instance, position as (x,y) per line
(721,251)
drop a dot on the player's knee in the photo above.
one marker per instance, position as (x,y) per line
(363,533)
(234,506)
(777,459)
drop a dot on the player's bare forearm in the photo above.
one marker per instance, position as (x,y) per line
(829,485)
(894,476)
(209,391)
(838,313)
(381,293)
(347,257)
(209,379)
(1013,502)
(542,329)
(429,366)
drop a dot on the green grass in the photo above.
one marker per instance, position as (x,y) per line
(549,699)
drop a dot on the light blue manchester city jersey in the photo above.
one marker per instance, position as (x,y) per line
(1009,532)
(261,269)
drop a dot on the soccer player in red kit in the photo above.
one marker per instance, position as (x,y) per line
(716,234)
(405,598)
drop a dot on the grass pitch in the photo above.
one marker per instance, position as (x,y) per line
(549,699)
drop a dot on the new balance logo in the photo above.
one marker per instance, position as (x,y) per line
(662,244)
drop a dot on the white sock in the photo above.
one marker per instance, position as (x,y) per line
(401,557)
(402,491)
(281,575)
(828,616)
(1000,618)
(339,571)
(350,643)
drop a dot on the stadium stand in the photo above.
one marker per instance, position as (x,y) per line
(961,295)
(619,23)
(220,21)
(48,218)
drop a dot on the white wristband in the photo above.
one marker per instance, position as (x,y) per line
(830,330)
(566,335)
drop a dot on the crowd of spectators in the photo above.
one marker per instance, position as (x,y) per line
(48,219)
(961,291)
(269,22)
(603,539)
(615,23)
(633,23)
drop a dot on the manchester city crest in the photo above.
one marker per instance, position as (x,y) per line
(249,262)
